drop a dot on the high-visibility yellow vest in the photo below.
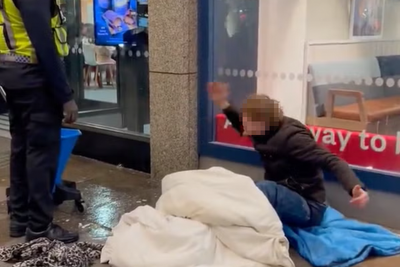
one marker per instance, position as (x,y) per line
(15,44)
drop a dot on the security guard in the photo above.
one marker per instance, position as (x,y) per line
(32,44)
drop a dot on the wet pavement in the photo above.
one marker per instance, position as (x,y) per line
(109,192)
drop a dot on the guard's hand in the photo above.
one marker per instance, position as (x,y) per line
(70,112)
(360,197)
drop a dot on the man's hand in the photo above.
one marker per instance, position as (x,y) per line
(70,112)
(218,93)
(360,197)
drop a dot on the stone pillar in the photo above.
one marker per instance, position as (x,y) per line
(173,85)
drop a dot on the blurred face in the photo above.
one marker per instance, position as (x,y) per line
(251,127)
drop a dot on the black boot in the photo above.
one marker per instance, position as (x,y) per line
(17,229)
(54,232)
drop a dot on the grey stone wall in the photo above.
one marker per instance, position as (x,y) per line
(173,85)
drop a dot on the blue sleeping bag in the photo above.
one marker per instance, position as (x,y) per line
(341,242)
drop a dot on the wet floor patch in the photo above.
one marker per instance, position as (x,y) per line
(105,205)
(109,192)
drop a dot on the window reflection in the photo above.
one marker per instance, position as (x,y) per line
(235,33)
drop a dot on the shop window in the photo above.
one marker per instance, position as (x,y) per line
(334,65)
(108,66)
(235,56)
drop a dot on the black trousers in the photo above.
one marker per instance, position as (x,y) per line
(35,125)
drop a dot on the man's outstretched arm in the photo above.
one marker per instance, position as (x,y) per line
(303,147)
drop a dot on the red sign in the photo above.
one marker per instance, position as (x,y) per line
(373,151)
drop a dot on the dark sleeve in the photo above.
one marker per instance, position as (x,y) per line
(36,15)
(234,117)
(303,147)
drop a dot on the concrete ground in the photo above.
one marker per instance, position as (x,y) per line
(109,192)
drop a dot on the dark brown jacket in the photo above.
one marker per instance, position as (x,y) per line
(292,158)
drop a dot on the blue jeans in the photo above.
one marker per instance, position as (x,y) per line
(292,209)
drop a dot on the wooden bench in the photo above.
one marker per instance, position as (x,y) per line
(362,111)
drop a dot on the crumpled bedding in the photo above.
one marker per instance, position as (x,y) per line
(46,253)
(204,218)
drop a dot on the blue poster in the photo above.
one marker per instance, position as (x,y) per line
(112,18)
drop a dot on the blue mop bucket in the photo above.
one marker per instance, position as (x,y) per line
(69,137)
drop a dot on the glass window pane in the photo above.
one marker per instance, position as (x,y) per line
(353,93)
(110,81)
(341,79)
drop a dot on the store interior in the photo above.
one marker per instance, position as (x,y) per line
(334,65)
(364,94)
(321,52)
(109,69)
(100,65)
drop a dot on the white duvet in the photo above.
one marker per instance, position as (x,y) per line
(204,218)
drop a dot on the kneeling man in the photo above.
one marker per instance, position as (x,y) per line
(293,161)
